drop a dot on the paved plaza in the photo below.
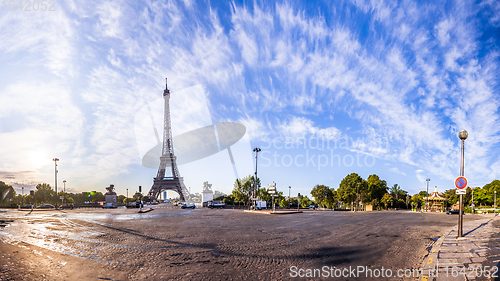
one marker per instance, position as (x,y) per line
(213,244)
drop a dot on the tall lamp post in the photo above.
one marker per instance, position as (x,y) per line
(55,172)
(463,136)
(427,197)
(64,183)
(256,150)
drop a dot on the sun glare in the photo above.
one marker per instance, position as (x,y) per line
(39,158)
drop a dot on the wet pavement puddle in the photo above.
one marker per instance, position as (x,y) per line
(86,235)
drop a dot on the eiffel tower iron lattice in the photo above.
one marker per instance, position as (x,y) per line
(171,181)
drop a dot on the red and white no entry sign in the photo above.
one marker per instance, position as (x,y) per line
(461,182)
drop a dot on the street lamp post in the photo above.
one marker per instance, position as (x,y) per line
(256,150)
(463,136)
(64,183)
(289,188)
(127,197)
(55,172)
(427,197)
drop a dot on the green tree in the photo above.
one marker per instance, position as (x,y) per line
(305,202)
(481,197)
(243,189)
(293,203)
(44,194)
(417,201)
(397,192)
(468,196)
(387,200)
(284,203)
(376,187)
(451,195)
(137,196)
(349,187)
(264,196)
(98,196)
(490,189)
(218,195)
(229,200)
(323,195)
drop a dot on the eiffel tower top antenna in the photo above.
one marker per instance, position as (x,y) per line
(166,91)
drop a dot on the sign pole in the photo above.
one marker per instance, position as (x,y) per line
(461,206)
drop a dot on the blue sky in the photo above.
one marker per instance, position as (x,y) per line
(384,86)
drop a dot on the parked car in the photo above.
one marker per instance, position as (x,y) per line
(27,206)
(312,207)
(188,205)
(453,212)
(109,205)
(67,206)
(45,206)
(216,204)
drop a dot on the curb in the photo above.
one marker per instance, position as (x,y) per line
(431,260)
(271,212)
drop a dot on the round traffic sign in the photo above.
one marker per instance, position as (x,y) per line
(461,182)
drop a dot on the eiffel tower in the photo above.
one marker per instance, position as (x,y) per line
(172,180)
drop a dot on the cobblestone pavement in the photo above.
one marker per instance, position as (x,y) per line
(203,244)
(476,256)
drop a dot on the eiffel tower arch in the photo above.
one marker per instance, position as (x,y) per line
(168,177)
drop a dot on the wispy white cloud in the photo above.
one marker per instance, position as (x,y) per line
(40,39)
(298,128)
(410,74)
(397,171)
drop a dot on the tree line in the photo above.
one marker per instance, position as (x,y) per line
(372,191)
(353,189)
(44,193)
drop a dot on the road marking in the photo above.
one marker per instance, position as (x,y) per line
(425,278)
(433,250)
(430,260)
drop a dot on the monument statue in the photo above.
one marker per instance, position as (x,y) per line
(110,196)
(111,190)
